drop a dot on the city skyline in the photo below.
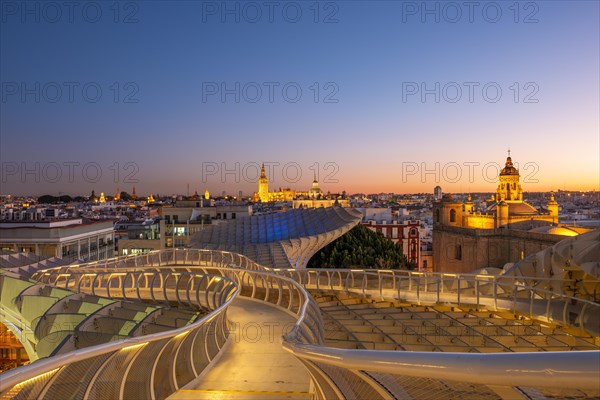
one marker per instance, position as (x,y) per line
(363,199)
(385,88)
(453,177)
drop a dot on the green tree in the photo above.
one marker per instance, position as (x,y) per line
(361,248)
(126,196)
(48,199)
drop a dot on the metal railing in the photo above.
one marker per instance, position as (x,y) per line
(497,293)
(347,373)
(477,291)
(336,373)
(156,365)
(149,366)
(193,257)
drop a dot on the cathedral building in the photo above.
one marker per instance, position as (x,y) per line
(264,195)
(506,230)
(506,208)
(313,198)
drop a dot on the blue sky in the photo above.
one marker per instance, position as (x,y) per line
(164,125)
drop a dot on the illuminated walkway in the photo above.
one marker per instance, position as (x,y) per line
(374,334)
(253,364)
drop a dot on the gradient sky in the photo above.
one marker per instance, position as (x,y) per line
(171,50)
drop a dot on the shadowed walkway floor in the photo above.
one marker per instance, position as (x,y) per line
(253,364)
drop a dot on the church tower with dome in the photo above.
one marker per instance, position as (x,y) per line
(506,208)
(509,187)
(506,229)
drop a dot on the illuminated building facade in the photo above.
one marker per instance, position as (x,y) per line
(313,198)
(507,207)
(12,353)
(508,230)
(264,195)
